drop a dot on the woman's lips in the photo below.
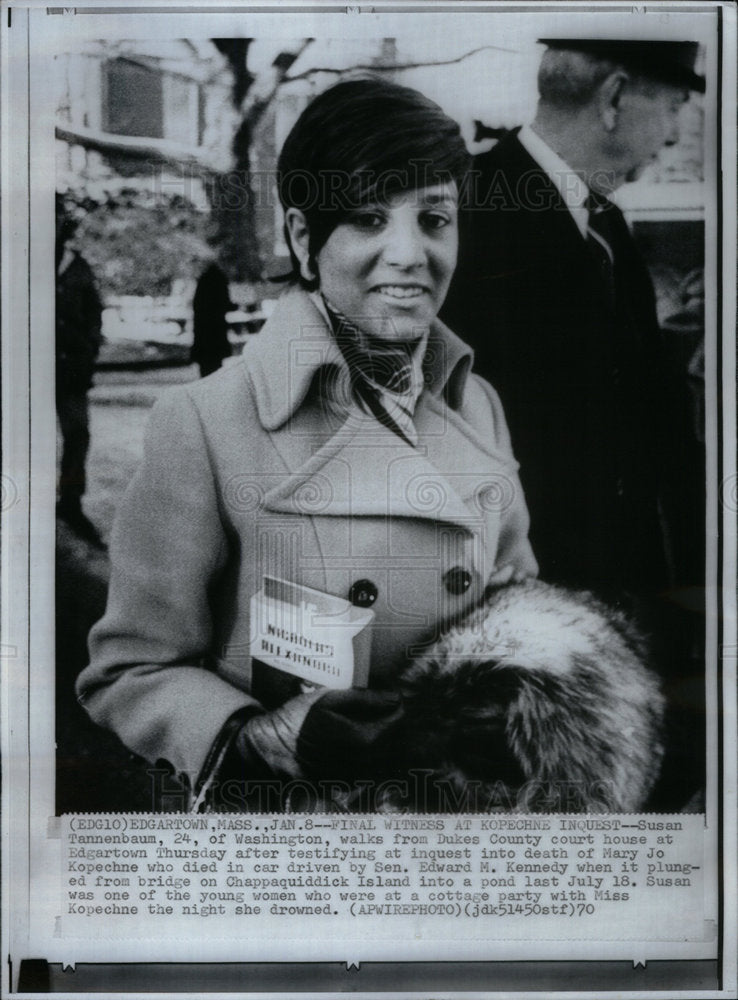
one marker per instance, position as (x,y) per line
(400,292)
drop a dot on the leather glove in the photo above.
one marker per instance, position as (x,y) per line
(268,742)
(347,734)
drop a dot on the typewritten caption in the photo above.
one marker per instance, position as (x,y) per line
(126,876)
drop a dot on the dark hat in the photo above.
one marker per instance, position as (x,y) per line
(668,62)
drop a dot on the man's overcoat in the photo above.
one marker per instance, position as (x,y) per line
(267,467)
(578,371)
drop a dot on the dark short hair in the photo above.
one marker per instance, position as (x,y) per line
(363,140)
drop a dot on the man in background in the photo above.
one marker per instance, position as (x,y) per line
(554,297)
(78,339)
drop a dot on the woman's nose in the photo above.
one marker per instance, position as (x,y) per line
(404,246)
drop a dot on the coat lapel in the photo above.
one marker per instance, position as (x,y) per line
(365,470)
(283,358)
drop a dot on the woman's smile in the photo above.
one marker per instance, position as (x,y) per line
(401,292)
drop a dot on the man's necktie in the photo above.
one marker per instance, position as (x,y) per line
(600,237)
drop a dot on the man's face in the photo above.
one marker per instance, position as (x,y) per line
(647,120)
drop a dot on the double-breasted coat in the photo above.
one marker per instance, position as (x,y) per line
(267,467)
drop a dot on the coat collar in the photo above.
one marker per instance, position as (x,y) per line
(295,343)
(366,470)
(572,189)
(517,164)
(528,184)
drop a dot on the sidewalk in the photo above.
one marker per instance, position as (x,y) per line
(124,387)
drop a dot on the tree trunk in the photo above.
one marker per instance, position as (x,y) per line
(231,196)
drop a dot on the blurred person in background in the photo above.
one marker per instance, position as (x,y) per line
(211,303)
(78,339)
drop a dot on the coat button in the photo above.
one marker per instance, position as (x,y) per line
(363,593)
(457,581)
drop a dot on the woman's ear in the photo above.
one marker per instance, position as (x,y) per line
(299,238)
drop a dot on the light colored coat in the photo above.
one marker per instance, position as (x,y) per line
(267,468)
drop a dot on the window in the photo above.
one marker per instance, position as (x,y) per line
(139,100)
(133,99)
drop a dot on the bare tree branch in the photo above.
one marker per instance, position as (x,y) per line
(260,104)
(376,68)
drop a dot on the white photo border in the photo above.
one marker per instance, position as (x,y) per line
(30,36)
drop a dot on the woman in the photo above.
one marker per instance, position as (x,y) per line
(349,451)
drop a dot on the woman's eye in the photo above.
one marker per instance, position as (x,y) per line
(367,220)
(436,220)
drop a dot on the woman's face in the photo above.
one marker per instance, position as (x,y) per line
(388,266)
